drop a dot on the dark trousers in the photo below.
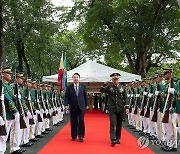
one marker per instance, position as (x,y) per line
(115,124)
(77,123)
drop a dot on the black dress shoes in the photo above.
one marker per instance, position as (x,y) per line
(23,150)
(113,142)
(81,139)
(45,132)
(27,144)
(48,129)
(40,136)
(56,124)
(34,140)
(17,152)
(74,139)
(117,142)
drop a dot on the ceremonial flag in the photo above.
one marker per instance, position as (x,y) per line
(61,74)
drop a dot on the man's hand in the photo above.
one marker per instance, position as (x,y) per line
(1,121)
(65,108)
(107,81)
(87,107)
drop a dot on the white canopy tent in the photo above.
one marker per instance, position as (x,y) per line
(93,73)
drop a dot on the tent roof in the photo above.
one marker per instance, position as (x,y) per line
(94,72)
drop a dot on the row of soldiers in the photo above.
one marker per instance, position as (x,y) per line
(154,108)
(26,109)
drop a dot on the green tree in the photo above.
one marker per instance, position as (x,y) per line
(143,32)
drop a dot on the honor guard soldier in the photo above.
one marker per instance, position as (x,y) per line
(169,116)
(11,113)
(29,114)
(116,103)
(20,124)
(176,103)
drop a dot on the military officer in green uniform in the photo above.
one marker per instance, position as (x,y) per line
(11,111)
(116,102)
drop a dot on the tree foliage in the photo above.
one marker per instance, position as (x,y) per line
(143,32)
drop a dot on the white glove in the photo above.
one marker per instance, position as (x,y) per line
(42,110)
(17,116)
(150,95)
(37,112)
(144,93)
(29,115)
(137,95)
(19,96)
(46,111)
(171,90)
(131,95)
(55,108)
(2,123)
(29,98)
(156,93)
(2,97)
(128,95)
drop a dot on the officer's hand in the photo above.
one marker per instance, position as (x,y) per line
(108,81)
(65,108)
(127,111)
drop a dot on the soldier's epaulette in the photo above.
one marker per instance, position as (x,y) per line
(11,107)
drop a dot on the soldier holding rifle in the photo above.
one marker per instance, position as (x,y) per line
(169,117)
(11,112)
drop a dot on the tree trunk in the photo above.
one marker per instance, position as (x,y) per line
(2,48)
(20,57)
(25,60)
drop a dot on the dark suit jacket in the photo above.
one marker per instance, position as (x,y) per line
(73,100)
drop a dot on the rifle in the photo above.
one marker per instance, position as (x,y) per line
(147,115)
(53,103)
(137,103)
(47,105)
(37,106)
(19,106)
(168,103)
(143,103)
(60,101)
(31,121)
(43,105)
(3,131)
(131,101)
(156,105)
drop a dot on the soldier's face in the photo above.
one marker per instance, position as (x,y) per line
(75,78)
(115,81)
(7,76)
(167,76)
(19,81)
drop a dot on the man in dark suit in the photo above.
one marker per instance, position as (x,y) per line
(76,98)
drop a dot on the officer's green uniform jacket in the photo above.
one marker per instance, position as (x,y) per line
(32,94)
(153,96)
(45,97)
(20,88)
(141,96)
(176,103)
(117,98)
(9,102)
(162,96)
(146,88)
